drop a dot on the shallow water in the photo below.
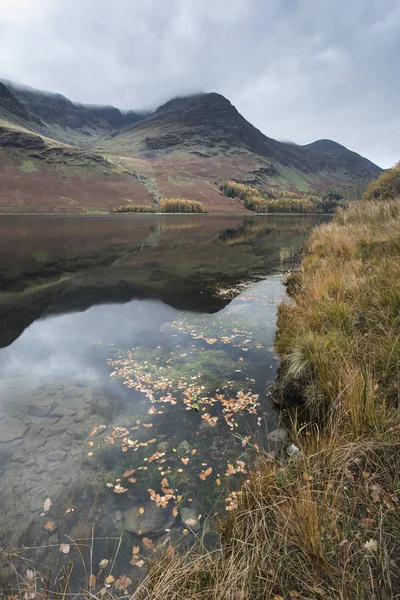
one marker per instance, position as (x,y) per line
(136,359)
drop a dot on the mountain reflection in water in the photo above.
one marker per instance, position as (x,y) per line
(182,311)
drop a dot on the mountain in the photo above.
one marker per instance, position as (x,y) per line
(61,156)
(68,121)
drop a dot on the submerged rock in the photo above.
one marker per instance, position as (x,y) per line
(293,451)
(189,517)
(153,519)
(184,447)
(278,435)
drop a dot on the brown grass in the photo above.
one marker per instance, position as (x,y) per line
(325,526)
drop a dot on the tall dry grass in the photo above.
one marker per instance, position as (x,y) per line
(326,525)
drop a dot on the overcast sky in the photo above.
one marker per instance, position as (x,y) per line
(299,70)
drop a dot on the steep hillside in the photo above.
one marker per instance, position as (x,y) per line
(67,121)
(38,174)
(59,156)
(208,126)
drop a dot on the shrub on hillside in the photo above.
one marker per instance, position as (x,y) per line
(180,205)
(387,185)
(133,209)
(279,201)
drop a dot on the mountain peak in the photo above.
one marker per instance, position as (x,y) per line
(210,100)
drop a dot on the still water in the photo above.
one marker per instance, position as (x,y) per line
(136,355)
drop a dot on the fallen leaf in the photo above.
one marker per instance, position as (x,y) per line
(46,505)
(185,531)
(194,451)
(135,550)
(122,582)
(90,443)
(90,453)
(141,510)
(49,526)
(132,479)
(148,543)
(103,563)
(92,581)
(368,523)
(65,548)
(218,481)
(128,473)
(371,545)
(147,425)
(175,511)
(110,579)
(118,489)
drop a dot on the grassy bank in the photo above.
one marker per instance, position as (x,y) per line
(327,524)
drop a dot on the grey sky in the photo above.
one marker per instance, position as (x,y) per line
(299,70)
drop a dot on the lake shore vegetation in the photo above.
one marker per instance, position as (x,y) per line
(324,523)
(281,201)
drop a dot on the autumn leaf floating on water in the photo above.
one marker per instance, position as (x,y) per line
(118,489)
(128,473)
(135,560)
(49,526)
(122,583)
(205,473)
(231,501)
(149,544)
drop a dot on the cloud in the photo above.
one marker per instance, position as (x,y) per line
(297,70)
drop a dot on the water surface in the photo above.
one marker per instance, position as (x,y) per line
(136,355)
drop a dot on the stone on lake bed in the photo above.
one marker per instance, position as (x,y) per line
(41,409)
(152,520)
(14,430)
(184,447)
(189,517)
(278,435)
(56,455)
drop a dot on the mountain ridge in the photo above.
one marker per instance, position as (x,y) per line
(185,148)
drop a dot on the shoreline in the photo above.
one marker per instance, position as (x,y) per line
(323,523)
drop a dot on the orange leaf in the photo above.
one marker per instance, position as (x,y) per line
(128,473)
(148,543)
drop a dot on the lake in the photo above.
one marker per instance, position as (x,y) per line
(136,357)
